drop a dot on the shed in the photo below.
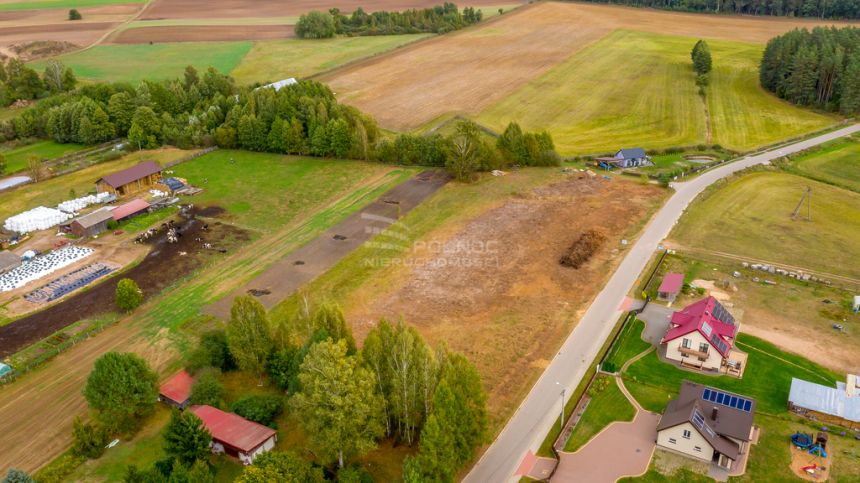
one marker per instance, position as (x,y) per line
(836,405)
(671,286)
(91,224)
(5,370)
(177,390)
(129,209)
(137,178)
(8,261)
(235,435)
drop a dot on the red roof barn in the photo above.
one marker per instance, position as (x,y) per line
(177,390)
(129,209)
(235,435)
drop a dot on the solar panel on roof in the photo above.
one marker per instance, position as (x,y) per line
(722,314)
(728,400)
(747,405)
(706,393)
(698,419)
(718,342)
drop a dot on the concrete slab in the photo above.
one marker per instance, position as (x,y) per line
(656,318)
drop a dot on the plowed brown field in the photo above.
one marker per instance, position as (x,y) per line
(198,33)
(471,69)
(53,24)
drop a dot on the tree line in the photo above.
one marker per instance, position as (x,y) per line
(818,68)
(301,119)
(20,82)
(439,19)
(833,9)
(346,399)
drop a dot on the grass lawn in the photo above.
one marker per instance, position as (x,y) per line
(628,345)
(54,190)
(158,61)
(750,215)
(837,163)
(589,106)
(273,60)
(667,163)
(43,4)
(16,158)
(606,406)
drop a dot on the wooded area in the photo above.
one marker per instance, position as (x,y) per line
(835,9)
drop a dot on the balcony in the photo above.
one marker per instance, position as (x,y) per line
(692,353)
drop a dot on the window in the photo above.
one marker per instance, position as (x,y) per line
(698,449)
(673,440)
(686,343)
(703,347)
(686,434)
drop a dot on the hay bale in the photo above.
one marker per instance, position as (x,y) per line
(583,248)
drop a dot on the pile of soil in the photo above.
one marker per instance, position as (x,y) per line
(583,248)
(165,264)
(38,49)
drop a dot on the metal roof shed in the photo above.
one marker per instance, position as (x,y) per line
(843,401)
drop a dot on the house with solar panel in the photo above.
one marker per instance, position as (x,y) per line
(710,425)
(701,336)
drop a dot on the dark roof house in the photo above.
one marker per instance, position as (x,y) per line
(631,153)
(136,178)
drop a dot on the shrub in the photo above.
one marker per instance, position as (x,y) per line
(128,295)
(207,389)
(315,25)
(212,352)
(260,409)
(75,15)
(89,439)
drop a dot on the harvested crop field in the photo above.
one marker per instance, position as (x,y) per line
(202,33)
(76,33)
(493,288)
(165,264)
(484,64)
(168,9)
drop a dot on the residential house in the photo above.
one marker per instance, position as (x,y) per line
(702,335)
(235,435)
(708,424)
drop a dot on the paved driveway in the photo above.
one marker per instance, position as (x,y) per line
(656,318)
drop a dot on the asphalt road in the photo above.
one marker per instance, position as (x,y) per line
(538,412)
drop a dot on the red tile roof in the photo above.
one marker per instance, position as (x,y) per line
(132,207)
(702,316)
(178,387)
(672,283)
(233,429)
(134,173)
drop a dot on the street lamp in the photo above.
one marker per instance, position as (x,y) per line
(561,428)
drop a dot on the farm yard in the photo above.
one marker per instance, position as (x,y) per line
(469,273)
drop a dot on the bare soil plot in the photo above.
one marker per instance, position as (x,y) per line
(165,9)
(197,33)
(76,33)
(469,70)
(493,288)
(24,26)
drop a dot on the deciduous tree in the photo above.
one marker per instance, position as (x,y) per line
(128,295)
(285,467)
(121,387)
(248,334)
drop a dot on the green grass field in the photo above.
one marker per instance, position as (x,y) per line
(837,162)
(16,158)
(606,406)
(274,60)
(638,89)
(133,63)
(45,4)
(750,216)
(628,345)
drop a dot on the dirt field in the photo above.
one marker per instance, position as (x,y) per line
(481,65)
(23,26)
(165,264)
(166,9)
(493,288)
(197,33)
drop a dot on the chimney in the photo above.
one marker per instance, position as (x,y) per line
(714,413)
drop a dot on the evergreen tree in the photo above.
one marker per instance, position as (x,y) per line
(185,438)
(282,467)
(701,56)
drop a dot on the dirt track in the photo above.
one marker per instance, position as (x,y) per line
(161,267)
(168,9)
(468,70)
(202,33)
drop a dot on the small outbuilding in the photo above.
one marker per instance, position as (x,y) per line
(137,178)
(235,435)
(8,261)
(671,286)
(838,405)
(177,390)
(5,370)
(91,224)
(132,208)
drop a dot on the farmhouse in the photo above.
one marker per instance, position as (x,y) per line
(708,424)
(671,286)
(129,209)
(131,180)
(839,405)
(701,335)
(91,224)
(8,261)
(177,390)
(235,435)
(626,158)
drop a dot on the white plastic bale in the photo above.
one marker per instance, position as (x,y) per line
(41,266)
(39,218)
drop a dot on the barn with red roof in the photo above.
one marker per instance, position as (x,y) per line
(177,390)
(702,335)
(235,435)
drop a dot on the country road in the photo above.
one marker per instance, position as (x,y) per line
(539,411)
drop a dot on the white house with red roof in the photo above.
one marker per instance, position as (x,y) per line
(235,435)
(702,335)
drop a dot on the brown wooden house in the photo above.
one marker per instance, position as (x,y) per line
(137,178)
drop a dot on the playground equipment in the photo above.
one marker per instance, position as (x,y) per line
(809,469)
(801,440)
